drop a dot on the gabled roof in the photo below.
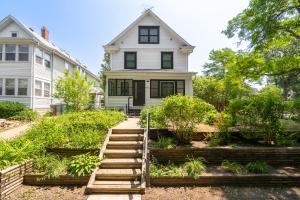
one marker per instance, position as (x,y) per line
(160,21)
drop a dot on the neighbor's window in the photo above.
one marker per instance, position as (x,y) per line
(38,88)
(130,60)
(164,88)
(1,85)
(46,89)
(1,51)
(148,34)
(47,61)
(23,52)
(10,52)
(38,56)
(22,87)
(167,60)
(9,86)
(120,87)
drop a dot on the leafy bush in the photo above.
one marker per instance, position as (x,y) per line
(234,167)
(157,117)
(287,138)
(195,167)
(210,117)
(183,113)
(163,143)
(81,165)
(50,165)
(259,167)
(16,111)
(25,115)
(259,114)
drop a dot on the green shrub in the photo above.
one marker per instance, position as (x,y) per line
(170,169)
(259,167)
(157,118)
(195,167)
(296,108)
(183,113)
(82,165)
(259,114)
(234,167)
(10,109)
(287,138)
(50,165)
(163,143)
(210,117)
(25,115)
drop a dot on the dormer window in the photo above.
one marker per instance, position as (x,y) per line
(148,34)
(14,34)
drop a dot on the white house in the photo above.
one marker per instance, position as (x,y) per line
(30,64)
(149,61)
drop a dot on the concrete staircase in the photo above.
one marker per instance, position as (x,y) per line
(122,167)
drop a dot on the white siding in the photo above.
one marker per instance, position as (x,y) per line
(149,55)
(6,32)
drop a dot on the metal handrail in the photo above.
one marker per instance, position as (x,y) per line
(145,179)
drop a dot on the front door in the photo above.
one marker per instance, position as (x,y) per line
(138,93)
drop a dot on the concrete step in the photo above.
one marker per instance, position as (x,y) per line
(123,153)
(121,163)
(127,131)
(117,182)
(124,145)
(118,174)
(114,197)
(126,137)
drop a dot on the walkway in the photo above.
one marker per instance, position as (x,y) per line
(14,132)
(119,175)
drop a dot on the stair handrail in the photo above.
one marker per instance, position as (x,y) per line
(145,179)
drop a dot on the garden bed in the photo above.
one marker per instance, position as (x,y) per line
(72,151)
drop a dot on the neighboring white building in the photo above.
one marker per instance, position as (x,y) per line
(30,64)
(149,61)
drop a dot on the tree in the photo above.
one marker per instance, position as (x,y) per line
(265,20)
(74,90)
(105,66)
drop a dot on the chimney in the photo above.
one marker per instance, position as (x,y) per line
(45,33)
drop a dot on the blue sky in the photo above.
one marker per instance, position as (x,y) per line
(81,27)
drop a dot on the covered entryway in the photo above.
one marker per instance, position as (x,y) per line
(138,92)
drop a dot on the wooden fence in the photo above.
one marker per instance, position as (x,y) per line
(12,177)
(215,155)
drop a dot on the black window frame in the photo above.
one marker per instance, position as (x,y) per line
(158,88)
(114,91)
(125,59)
(162,59)
(148,34)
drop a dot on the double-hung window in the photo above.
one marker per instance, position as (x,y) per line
(120,87)
(1,47)
(23,52)
(22,87)
(164,88)
(1,86)
(130,60)
(9,86)
(47,61)
(46,89)
(10,52)
(167,60)
(148,34)
(38,88)
(38,56)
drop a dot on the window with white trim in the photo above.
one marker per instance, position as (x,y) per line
(10,52)
(38,88)
(9,86)
(23,52)
(1,52)
(47,61)
(22,87)
(38,56)
(1,86)
(46,89)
